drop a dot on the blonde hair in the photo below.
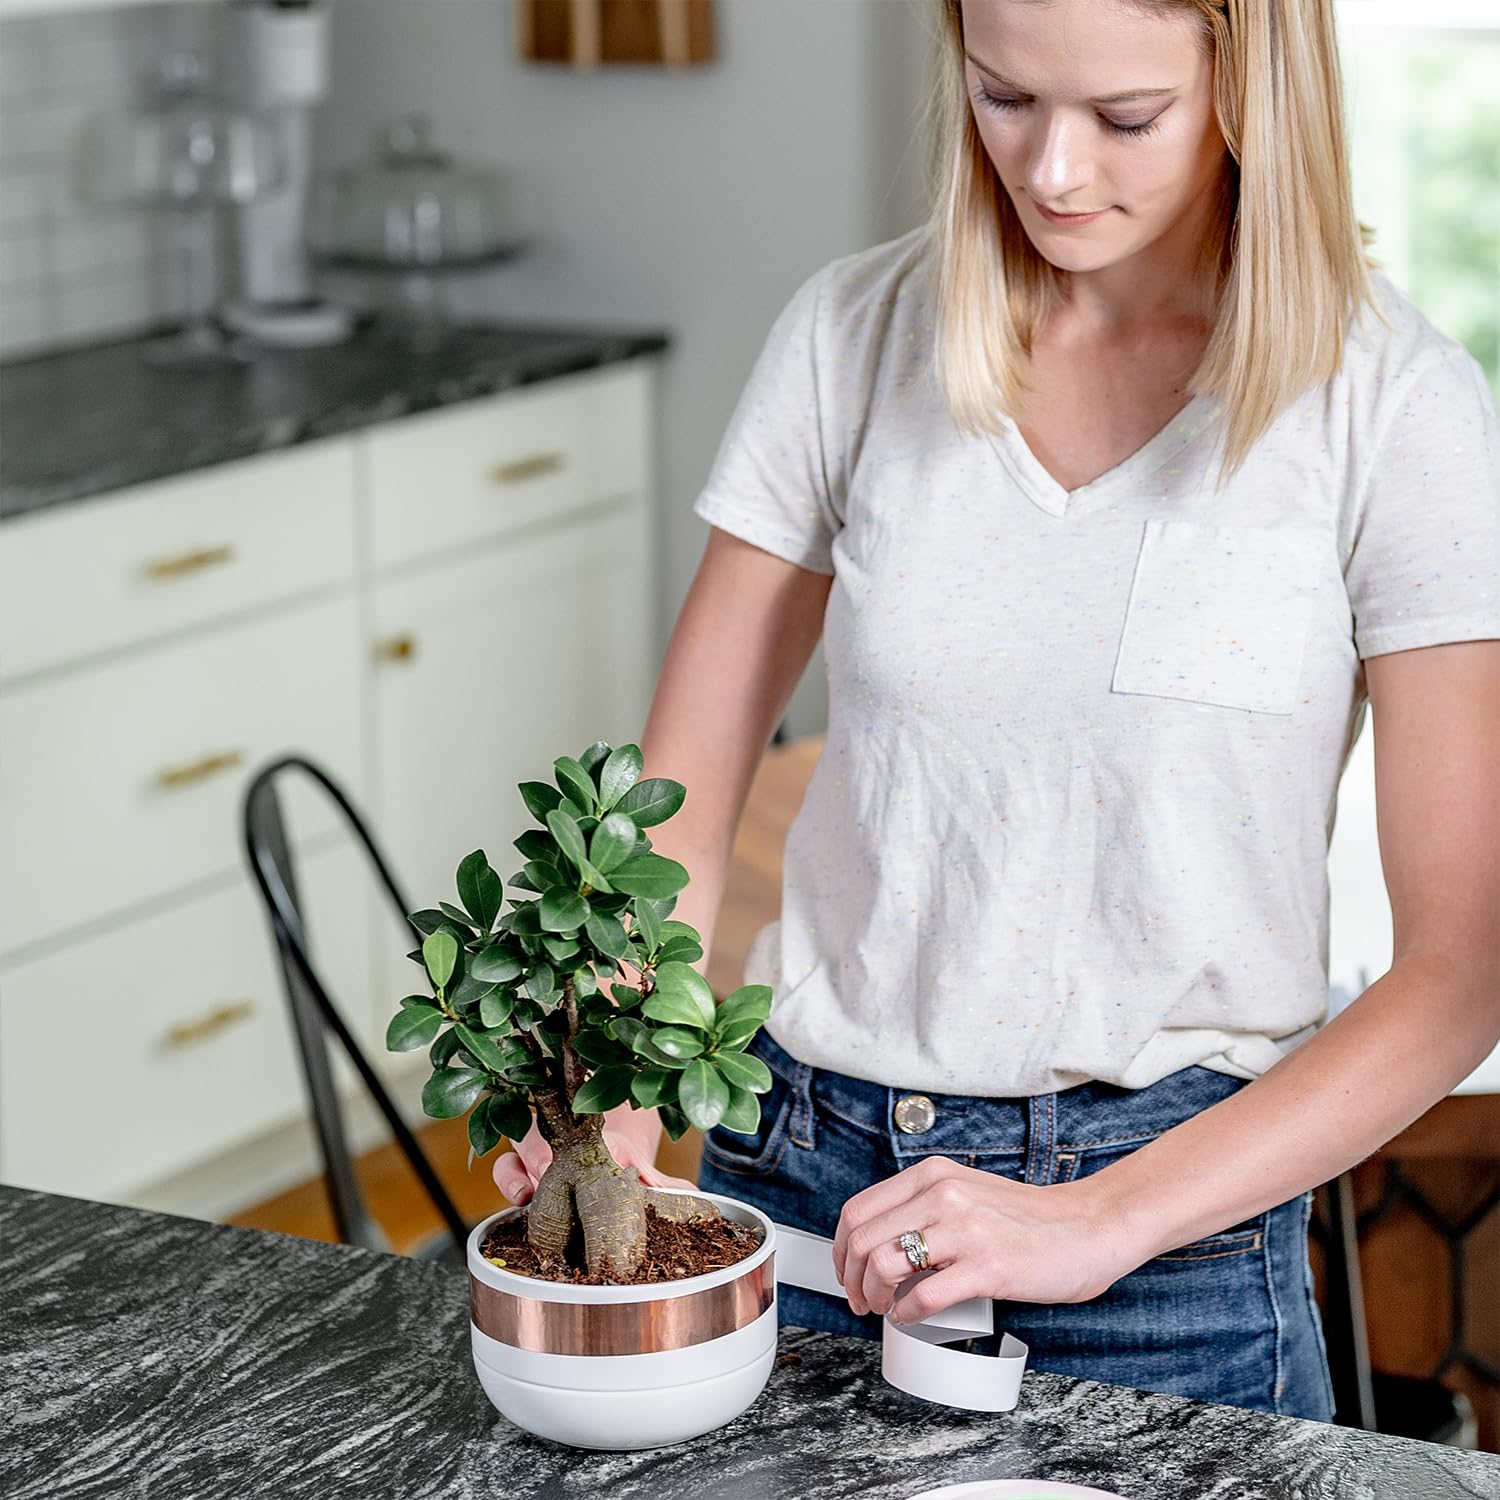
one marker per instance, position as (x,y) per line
(1285,273)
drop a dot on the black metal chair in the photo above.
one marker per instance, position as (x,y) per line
(314,1013)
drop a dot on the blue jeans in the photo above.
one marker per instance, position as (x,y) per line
(1229,1318)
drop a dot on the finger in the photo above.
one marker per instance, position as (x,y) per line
(888,1265)
(512,1178)
(881,1198)
(924,1297)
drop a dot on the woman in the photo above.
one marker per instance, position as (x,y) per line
(1111,525)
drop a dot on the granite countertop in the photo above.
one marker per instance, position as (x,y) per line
(93,420)
(147,1355)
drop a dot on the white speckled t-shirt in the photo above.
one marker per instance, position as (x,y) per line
(1072,815)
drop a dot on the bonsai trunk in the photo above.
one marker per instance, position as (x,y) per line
(588,1209)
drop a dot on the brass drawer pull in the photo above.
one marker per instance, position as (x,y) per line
(163,569)
(189,1033)
(396,648)
(174,777)
(532,467)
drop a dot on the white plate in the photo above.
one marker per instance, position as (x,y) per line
(1016,1489)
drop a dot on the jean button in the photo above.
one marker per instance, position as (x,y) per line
(915,1113)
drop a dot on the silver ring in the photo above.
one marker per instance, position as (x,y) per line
(916,1249)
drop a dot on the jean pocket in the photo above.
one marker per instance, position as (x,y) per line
(1219,614)
(755,1155)
(1239,1239)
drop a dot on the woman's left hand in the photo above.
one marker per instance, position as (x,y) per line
(986,1236)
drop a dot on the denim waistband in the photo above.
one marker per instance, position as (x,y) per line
(1090,1115)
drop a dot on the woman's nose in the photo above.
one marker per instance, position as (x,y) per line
(1058,166)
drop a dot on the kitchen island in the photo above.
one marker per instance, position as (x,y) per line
(147,1355)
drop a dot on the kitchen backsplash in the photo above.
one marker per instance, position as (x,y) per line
(72,273)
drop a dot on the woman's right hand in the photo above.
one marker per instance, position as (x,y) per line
(518,1170)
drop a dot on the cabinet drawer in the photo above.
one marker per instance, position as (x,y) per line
(122,782)
(140,1052)
(442,480)
(169,556)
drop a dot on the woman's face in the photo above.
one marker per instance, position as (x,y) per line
(1147,165)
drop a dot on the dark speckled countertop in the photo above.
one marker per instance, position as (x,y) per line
(151,1356)
(93,420)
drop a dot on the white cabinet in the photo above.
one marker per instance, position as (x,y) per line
(485,671)
(431,609)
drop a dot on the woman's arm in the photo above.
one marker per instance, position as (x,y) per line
(1341,1095)
(1415,1033)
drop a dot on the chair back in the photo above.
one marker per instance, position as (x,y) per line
(313,1012)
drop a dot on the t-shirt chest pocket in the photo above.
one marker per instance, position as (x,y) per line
(1219,614)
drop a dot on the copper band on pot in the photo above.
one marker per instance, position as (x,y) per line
(622,1327)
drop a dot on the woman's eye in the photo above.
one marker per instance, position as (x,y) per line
(1003,103)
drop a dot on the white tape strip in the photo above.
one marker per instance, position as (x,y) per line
(913,1359)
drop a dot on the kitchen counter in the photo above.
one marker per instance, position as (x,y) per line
(147,1355)
(93,420)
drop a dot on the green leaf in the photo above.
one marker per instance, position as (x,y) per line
(541,984)
(649,875)
(644,1047)
(652,801)
(510,1114)
(678,1041)
(584,983)
(593,756)
(743,1113)
(493,965)
(560,949)
(604,1090)
(647,925)
(486,1052)
(683,983)
(484,1132)
(703,1095)
(742,1070)
(563,911)
(447,1046)
(651,1086)
(576,783)
(495,1009)
(480,890)
(544,874)
(613,842)
(606,934)
(621,772)
(440,954)
(626,996)
(741,1015)
(411,1028)
(600,1050)
(427,920)
(534,844)
(626,1029)
(450,1091)
(539,798)
(679,950)
(673,1121)
(455,914)
(565,830)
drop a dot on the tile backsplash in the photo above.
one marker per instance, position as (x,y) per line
(72,272)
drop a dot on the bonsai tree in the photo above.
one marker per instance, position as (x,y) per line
(517,1024)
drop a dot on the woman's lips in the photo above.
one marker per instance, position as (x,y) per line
(1068,219)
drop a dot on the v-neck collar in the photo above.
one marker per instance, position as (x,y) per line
(1041,488)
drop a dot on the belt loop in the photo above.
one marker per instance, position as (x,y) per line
(1041,1136)
(800,1127)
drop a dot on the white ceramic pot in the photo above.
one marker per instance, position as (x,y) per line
(622,1367)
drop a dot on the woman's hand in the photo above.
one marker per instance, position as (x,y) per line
(518,1170)
(987,1237)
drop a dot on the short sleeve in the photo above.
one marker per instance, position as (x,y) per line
(1425,566)
(768,484)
